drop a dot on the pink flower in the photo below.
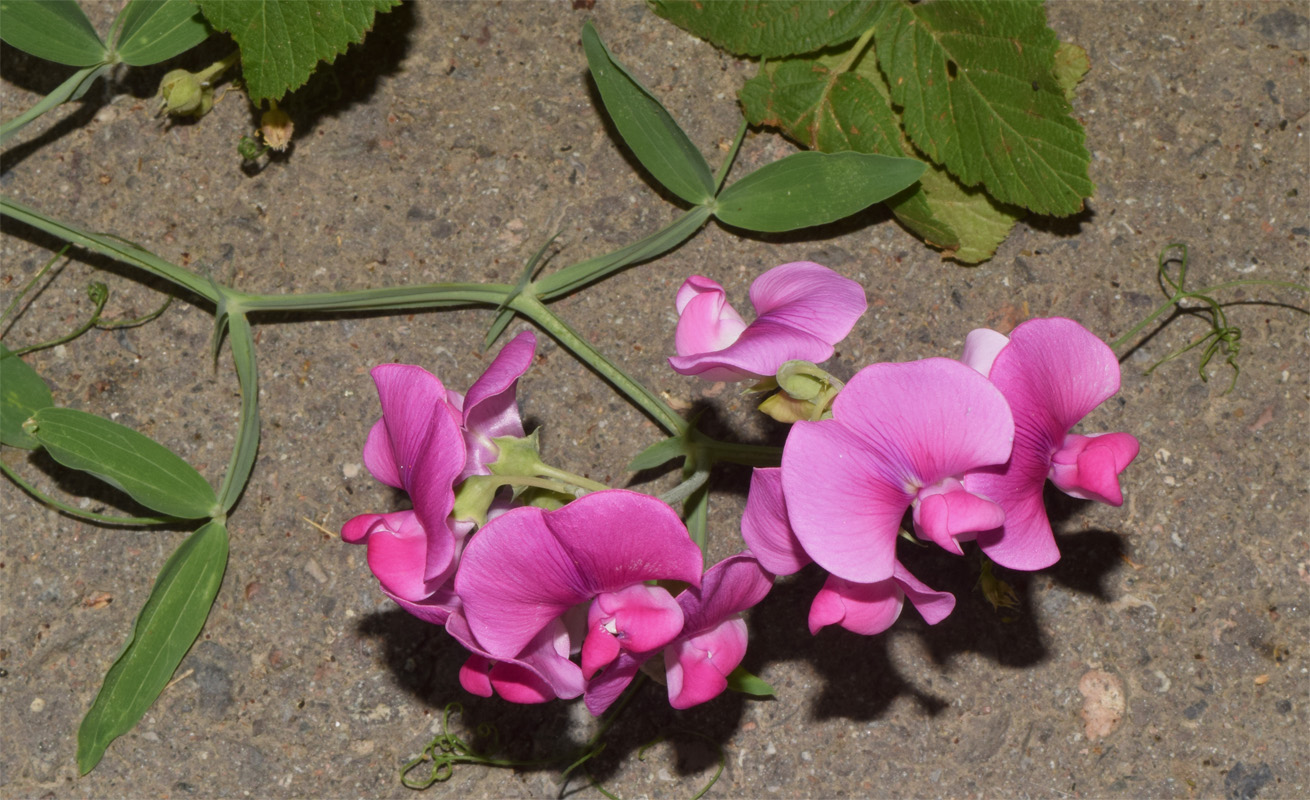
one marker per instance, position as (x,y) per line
(802,311)
(428,440)
(1053,372)
(712,642)
(902,436)
(529,571)
(865,608)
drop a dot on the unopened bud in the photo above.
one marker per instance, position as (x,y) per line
(184,94)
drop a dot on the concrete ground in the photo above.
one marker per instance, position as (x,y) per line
(449,147)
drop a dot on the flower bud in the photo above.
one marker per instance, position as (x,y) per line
(183,94)
(807,392)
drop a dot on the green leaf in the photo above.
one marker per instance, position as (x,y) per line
(1071,64)
(138,465)
(282,41)
(156,30)
(168,624)
(242,340)
(831,111)
(771,28)
(977,94)
(739,680)
(56,30)
(807,189)
(659,453)
(22,393)
(646,127)
(74,87)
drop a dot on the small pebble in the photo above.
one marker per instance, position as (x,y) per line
(38,705)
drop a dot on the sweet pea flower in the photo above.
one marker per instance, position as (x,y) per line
(540,672)
(531,570)
(865,608)
(428,440)
(902,436)
(802,310)
(712,642)
(1053,372)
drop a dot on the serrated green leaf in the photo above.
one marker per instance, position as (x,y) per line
(739,680)
(977,94)
(282,41)
(56,30)
(169,622)
(23,392)
(659,453)
(646,126)
(156,30)
(834,111)
(148,472)
(771,28)
(812,188)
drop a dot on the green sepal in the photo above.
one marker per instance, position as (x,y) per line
(740,680)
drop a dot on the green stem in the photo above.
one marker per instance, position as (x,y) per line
(27,287)
(638,394)
(391,298)
(76,83)
(547,471)
(854,55)
(76,332)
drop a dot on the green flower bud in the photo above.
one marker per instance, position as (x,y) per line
(806,393)
(183,94)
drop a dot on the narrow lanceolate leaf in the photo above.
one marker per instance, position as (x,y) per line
(832,111)
(168,624)
(282,41)
(771,28)
(156,30)
(659,453)
(807,189)
(646,126)
(977,93)
(22,393)
(56,30)
(147,471)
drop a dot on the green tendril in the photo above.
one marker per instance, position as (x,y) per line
(447,749)
(99,294)
(1222,336)
(27,287)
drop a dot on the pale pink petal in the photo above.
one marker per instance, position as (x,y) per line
(766,528)
(1088,467)
(697,669)
(844,508)
(866,608)
(810,298)
(706,322)
(758,353)
(529,566)
(490,408)
(981,347)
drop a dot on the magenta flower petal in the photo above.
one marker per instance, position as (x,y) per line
(954,515)
(766,527)
(896,429)
(871,608)
(490,408)
(697,668)
(544,662)
(645,617)
(706,322)
(605,688)
(1053,373)
(528,566)
(378,457)
(427,449)
(713,639)
(397,546)
(810,298)
(803,310)
(1088,467)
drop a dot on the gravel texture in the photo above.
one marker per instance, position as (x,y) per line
(1165,655)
